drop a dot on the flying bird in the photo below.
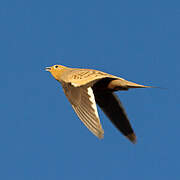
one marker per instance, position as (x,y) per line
(86,87)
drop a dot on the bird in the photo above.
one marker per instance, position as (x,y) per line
(86,87)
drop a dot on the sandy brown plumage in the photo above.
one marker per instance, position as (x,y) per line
(86,87)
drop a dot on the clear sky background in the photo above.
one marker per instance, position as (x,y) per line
(40,135)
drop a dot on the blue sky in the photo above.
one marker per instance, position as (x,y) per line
(40,135)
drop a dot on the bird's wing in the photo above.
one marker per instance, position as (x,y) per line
(82,77)
(113,108)
(83,103)
(88,77)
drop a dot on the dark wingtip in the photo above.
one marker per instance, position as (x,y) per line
(132,138)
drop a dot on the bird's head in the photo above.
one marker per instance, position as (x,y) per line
(56,70)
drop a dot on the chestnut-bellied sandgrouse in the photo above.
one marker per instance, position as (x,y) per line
(86,87)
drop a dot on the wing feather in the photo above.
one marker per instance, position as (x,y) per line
(83,103)
(86,120)
(113,108)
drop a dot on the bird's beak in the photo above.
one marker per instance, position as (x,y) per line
(48,68)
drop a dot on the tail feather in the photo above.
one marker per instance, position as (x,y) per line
(122,84)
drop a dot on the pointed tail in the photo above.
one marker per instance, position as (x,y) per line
(122,84)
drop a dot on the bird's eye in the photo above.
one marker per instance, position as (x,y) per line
(56,66)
